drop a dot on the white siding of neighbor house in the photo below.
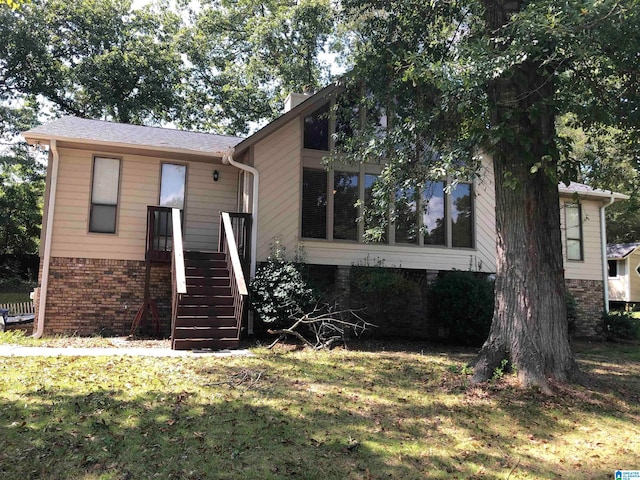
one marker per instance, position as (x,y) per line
(619,286)
(590,268)
(278,159)
(139,187)
(626,286)
(633,260)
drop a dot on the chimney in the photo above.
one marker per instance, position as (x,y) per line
(295,99)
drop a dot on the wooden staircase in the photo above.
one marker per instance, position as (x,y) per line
(205,313)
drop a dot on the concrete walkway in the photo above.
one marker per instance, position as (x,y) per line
(22,351)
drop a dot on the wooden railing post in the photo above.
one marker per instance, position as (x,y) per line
(159,223)
(228,245)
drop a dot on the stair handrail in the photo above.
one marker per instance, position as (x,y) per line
(178,253)
(178,276)
(228,244)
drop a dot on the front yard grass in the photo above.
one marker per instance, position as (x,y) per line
(11,297)
(383,413)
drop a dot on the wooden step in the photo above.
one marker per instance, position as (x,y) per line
(194,254)
(205,317)
(219,321)
(205,343)
(208,290)
(208,282)
(205,310)
(206,300)
(206,272)
(193,263)
(205,332)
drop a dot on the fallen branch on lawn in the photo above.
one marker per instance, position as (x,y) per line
(326,324)
(240,378)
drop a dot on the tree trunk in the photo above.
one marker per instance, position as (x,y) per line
(529,325)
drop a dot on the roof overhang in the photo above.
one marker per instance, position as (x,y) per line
(45,140)
(622,252)
(603,196)
(71,131)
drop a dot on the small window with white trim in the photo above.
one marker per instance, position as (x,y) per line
(573,223)
(105,186)
(173,179)
(613,268)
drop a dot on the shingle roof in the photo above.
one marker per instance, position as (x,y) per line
(586,191)
(620,250)
(109,133)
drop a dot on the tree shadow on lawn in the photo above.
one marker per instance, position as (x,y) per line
(378,415)
(62,436)
(99,435)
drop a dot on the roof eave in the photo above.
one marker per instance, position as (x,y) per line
(34,139)
(567,192)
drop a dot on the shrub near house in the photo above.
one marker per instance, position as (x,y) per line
(462,306)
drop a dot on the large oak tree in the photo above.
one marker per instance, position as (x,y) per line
(245,56)
(458,76)
(93,59)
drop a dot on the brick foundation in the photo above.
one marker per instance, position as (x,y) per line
(96,296)
(589,295)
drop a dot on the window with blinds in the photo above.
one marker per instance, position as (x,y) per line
(573,231)
(105,186)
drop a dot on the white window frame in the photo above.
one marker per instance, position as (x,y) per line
(567,207)
(114,197)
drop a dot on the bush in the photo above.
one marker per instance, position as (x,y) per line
(392,299)
(617,326)
(462,305)
(279,290)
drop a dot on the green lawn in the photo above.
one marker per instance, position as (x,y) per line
(14,297)
(385,413)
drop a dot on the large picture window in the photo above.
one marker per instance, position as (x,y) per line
(316,129)
(433,214)
(573,221)
(345,203)
(374,231)
(105,187)
(461,216)
(314,203)
(345,212)
(406,219)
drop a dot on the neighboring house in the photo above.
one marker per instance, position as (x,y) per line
(104,180)
(624,273)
